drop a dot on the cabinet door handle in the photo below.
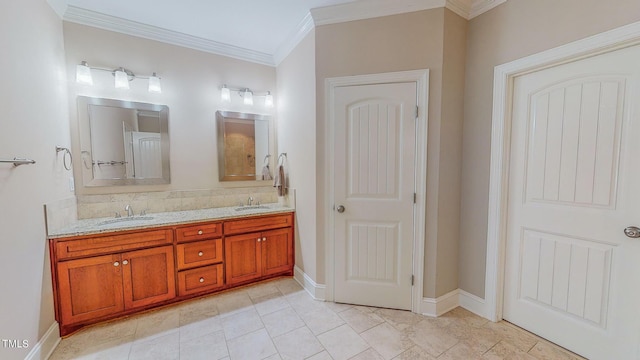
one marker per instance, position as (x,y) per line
(264,239)
(116,264)
(199,232)
(259,239)
(201,279)
(125,262)
(200,253)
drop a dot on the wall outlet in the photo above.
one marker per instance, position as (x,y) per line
(72,185)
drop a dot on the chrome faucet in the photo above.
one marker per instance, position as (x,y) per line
(129,210)
(250,201)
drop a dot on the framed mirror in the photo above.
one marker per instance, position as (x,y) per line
(123,142)
(243,146)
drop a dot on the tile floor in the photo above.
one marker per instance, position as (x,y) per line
(279,320)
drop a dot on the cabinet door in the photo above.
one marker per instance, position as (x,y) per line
(90,288)
(242,258)
(148,276)
(277,251)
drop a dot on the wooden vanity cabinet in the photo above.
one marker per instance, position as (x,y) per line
(104,276)
(199,255)
(255,255)
(89,288)
(103,286)
(149,276)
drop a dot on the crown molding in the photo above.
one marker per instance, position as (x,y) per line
(59,6)
(360,10)
(479,7)
(120,25)
(460,7)
(303,29)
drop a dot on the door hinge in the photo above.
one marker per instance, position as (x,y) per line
(415,197)
(412,279)
(417,111)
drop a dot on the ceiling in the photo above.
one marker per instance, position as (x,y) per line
(257,25)
(262,31)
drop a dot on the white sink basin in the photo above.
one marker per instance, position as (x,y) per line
(127,221)
(251,207)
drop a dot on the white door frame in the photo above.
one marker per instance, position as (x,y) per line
(421,77)
(618,38)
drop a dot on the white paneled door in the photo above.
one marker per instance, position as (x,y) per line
(147,155)
(572,274)
(374,177)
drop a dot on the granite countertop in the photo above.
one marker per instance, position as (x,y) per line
(101,225)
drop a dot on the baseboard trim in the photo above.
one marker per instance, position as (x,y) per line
(440,305)
(317,291)
(473,303)
(429,306)
(45,346)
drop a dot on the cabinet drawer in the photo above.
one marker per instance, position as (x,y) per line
(199,253)
(258,224)
(199,232)
(112,243)
(200,279)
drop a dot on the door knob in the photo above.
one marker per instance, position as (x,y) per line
(340,209)
(632,232)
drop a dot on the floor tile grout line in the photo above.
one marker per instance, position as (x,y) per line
(300,309)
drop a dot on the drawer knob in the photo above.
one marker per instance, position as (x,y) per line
(199,232)
(125,262)
(116,264)
(201,279)
(200,253)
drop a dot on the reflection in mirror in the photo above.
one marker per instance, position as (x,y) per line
(243,146)
(123,142)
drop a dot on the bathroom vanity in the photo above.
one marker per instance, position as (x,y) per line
(101,271)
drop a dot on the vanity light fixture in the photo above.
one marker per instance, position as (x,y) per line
(154,84)
(122,77)
(246,94)
(83,74)
(226,94)
(268,100)
(248,97)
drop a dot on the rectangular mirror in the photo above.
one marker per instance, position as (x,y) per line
(123,142)
(243,146)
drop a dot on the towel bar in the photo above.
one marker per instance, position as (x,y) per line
(18,162)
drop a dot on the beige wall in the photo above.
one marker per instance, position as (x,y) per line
(395,43)
(33,120)
(297,137)
(191,82)
(450,165)
(511,31)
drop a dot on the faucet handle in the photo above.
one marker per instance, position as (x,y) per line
(117,215)
(143,212)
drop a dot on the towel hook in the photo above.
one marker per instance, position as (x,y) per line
(64,156)
(282,155)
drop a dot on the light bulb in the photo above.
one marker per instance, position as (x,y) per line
(122,79)
(268,100)
(83,74)
(225,94)
(154,84)
(248,97)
